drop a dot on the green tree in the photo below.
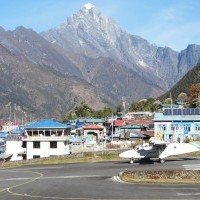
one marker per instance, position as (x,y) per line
(143,105)
(83,110)
(102,113)
(120,108)
(70,116)
(182,97)
(156,105)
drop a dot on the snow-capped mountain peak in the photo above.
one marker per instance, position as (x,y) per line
(92,34)
(88,6)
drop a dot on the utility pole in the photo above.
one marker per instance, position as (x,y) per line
(112,126)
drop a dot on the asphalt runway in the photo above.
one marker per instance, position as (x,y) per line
(92,181)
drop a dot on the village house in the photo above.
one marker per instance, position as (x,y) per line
(177,125)
(41,139)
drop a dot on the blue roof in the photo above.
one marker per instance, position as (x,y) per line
(18,131)
(3,135)
(47,124)
(80,124)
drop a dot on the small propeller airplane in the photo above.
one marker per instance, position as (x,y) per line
(160,150)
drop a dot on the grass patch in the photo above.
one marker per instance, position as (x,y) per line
(160,181)
(86,157)
(164,176)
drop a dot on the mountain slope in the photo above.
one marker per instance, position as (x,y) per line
(91,34)
(102,71)
(42,91)
(89,58)
(28,44)
(191,78)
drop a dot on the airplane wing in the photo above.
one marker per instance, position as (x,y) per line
(173,149)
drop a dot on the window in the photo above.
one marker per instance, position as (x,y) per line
(24,144)
(187,128)
(36,156)
(36,145)
(53,145)
(162,127)
(197,127)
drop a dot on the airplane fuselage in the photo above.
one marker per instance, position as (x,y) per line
(159,150)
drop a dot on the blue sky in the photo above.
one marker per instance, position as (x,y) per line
(172,23)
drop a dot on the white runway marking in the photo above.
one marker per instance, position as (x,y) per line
(52,177)
(188,194)
(25,169)
(192,167)
(117,179)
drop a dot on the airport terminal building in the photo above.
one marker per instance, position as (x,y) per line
(177,125)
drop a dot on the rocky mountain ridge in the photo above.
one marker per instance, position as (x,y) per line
(94,35)
(41,91)
(88,58)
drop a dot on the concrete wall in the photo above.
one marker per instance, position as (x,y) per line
(45,150)
(14,147)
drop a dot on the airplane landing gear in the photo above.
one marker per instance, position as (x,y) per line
(162,161)
(131,161)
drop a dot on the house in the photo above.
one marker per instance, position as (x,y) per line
(162,107)
(41,139)
(8,126)
(177,124)
(93,133)
(90,121)
(138,115)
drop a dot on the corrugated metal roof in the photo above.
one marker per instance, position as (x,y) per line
(169,105)
(3,135)
(90,120)
(131,126)
(47,124)
(161,117)
(119,122)
(18,131)
(93,126)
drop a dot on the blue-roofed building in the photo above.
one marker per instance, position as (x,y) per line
(175,125)
(40,139)
(3,135)
(47,128)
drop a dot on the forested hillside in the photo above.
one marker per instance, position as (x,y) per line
(191,78)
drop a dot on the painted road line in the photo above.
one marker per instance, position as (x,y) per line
(192,167)
(188,194)
(51,177)
(33,168)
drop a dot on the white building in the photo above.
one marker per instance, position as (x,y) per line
(14,147)
(40,147)
(175,125)
(41,139)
